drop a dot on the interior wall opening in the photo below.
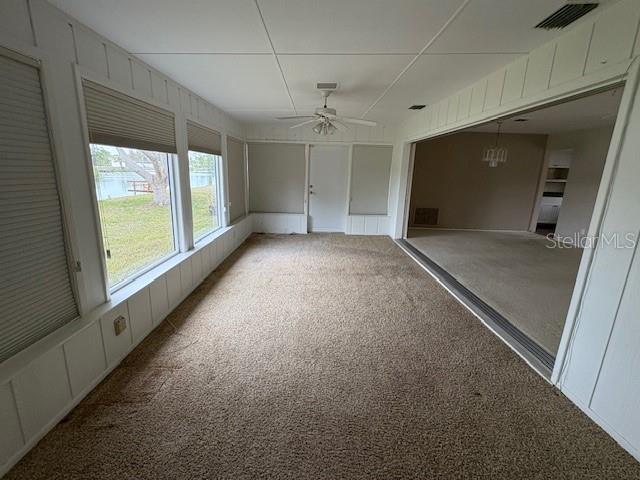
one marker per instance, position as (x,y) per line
(500,212)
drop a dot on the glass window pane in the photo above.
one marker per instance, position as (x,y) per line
(203,175)
(134,200)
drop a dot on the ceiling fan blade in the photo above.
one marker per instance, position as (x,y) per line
(314,119)
(340,126)
(295,117)
(357,121)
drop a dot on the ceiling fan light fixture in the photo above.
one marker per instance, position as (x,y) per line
(318,129)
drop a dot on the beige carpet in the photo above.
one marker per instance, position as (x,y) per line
(514,272)
(324,357)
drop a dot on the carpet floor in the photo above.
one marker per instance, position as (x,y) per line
(514,272)
(324,357)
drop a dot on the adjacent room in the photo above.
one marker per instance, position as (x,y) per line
(502,211)
(302,239)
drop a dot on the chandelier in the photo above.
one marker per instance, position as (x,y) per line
(495,154)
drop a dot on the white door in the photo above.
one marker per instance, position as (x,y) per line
(328,179)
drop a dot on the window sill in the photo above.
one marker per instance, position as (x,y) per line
(10,367)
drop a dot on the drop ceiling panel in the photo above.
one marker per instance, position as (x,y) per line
(434,77)
(361,79)
(498,26)
(356,26)
(232,82)
(169,26)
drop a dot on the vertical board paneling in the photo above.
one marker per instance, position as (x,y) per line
(465,104)
(613,35)
(478,94)
(173,94)
(141,79)
(159,299)
(140,315)
(159,88)
(42,391)
(514,80)
(84,353)
(119,67)
(196,266)
(618,389)
(452,114)
(174,287)
(539,69)
(11,437)
(14,20)
(186,276)
(608,275)
(571,54)
(185,101)
(116,345)
(495,84)
(91,51)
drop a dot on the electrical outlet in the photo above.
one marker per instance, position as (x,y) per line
(119,325)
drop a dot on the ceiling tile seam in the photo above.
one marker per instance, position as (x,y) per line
(334,54)
(415,59)
(275,57)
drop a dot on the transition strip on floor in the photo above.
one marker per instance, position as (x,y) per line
(536,355)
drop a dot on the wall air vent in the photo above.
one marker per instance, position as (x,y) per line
(425,216)
(566,15)
(416,107)
(326,86)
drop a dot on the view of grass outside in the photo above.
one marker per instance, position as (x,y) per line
(204,205)
(134,201)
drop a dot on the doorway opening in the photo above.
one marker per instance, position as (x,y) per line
(500,213)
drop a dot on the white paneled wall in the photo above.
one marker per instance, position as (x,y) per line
(279,222)
(367,225)
(41,384)
(598,357)
(35,397)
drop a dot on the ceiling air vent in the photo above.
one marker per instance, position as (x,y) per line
(566,15)
(416,107)
(326,86)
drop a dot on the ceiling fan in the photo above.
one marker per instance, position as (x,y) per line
(326,119)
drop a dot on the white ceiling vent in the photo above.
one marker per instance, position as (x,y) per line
(326,86)
(566,15)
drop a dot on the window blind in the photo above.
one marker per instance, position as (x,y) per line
(276,177)
(203,140)
(123,121)
(36,296)
(236,173)
(370,170)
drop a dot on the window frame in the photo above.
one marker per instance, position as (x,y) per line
(219,211)
(171,165)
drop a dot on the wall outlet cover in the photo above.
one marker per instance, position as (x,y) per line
(119,325)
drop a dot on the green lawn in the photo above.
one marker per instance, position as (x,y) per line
(138,233)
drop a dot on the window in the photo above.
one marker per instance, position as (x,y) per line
(36,294)
(204,168)
(203,175)
(133,189)
(132,146)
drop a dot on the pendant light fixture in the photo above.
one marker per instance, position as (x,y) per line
(495,154)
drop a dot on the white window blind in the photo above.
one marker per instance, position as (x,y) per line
(123,121)
(36,296)
(236,171)
(203,140)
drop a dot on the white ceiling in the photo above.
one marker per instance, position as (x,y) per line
(223,50)
(584,113)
